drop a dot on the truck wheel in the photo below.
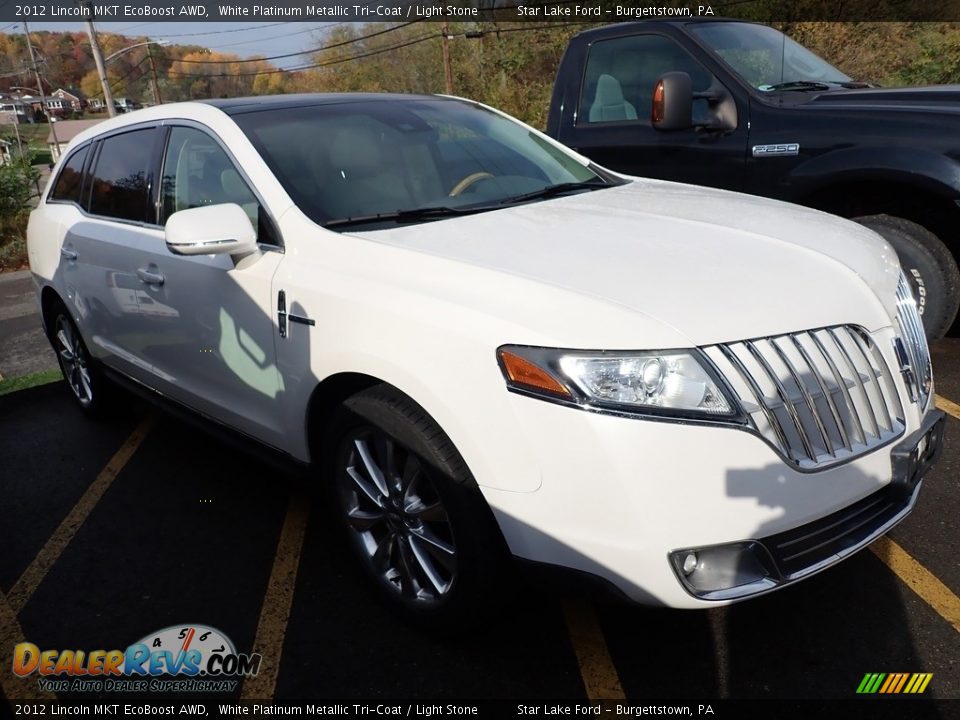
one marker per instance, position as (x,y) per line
(412,512)
(929,266)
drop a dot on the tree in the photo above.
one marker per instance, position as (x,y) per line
(18,183)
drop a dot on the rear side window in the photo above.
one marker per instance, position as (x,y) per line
(70,179)
(119,182)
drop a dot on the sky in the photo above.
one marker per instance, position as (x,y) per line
(242,38)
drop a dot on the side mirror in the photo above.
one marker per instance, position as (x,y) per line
(211,230)
(672,107)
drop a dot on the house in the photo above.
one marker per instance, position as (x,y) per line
(96,104)
(63,101)
(66,130)
(124,105)
(13,110)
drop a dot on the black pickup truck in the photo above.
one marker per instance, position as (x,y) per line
(741,106)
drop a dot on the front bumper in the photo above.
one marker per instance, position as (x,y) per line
(621,496)
(795,554)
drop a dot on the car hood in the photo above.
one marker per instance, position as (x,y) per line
(713,265)
(942,98)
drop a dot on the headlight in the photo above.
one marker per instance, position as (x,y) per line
(671,382)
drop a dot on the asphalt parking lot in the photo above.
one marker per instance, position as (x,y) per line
(111,530)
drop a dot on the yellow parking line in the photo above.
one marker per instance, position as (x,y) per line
(600,678)
(275,613)
(924,583)
(15,688)
(948,406)
(24,588)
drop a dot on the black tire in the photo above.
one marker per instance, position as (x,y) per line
(95,395)
(928,265)
(437,477)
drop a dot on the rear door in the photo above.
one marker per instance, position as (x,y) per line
(106,242)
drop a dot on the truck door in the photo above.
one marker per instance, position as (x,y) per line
(611,123)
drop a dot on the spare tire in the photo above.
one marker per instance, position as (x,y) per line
(928,265)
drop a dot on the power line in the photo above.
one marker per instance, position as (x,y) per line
(310,51)
(270,37)
(220,32)
(378,51)
(132,70)
(327,63)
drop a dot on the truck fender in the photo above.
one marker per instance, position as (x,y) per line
(929,171)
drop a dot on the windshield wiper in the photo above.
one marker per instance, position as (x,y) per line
(413,215)
(800,85)
(554,190)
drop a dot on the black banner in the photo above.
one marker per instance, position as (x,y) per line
(875,708)
(577,11)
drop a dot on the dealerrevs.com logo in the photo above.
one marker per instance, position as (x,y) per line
(182,658)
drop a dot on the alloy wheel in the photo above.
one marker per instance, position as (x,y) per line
(74,361)
(396,516)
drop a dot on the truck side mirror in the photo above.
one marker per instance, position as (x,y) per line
(672,107)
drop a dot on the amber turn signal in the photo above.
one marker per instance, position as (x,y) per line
(657,108)
(523,373)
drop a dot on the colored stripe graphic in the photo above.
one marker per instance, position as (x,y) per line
(894,683)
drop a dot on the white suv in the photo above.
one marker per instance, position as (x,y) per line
(488,346)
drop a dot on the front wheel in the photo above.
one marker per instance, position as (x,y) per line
(929,267)
(412,513)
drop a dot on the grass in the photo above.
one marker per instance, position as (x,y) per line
(33,133)
(43,377)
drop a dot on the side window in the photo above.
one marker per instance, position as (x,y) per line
(620,75)
(119,183)
(196,172)
(70,178)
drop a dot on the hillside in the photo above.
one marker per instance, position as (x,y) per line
(509,65)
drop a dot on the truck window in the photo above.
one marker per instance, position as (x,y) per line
(620,75)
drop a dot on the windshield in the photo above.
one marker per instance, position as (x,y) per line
(765,58)
(395,157)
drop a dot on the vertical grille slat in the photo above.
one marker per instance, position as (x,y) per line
(808,399)
(858,381)
(784,398)
(915,344)
(842,384)
(876,379)
(827,394)
(819,396)
(758,394)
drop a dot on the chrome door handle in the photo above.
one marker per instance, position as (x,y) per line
(150,277)
(68,254)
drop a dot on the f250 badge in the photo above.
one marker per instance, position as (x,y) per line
(781,150)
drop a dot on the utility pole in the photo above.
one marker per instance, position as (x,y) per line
(101,67)
(154,84)
(447,68)
(43,96)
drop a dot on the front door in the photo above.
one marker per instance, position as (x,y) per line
(612,125)
(210,317)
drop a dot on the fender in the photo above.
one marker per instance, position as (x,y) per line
(929,171)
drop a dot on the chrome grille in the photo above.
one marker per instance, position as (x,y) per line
(914,353)
(819,397)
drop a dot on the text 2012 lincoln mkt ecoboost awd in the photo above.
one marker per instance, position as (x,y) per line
(488,347)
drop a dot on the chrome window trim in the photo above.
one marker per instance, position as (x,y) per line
(52,186)
(96,144)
